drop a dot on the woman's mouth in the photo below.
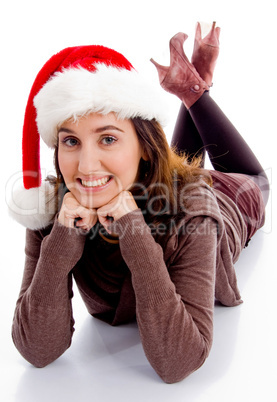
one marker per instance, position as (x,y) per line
(96,182)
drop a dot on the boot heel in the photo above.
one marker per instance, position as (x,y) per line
(162,70)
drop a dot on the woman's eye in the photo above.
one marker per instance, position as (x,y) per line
(108,140)
(70,142)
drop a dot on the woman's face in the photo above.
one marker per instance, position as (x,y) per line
(98,157)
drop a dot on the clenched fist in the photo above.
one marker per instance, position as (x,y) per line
(71,210)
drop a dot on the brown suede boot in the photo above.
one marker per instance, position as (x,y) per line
(181,78)
(205,52)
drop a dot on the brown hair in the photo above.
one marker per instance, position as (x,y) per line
(164,172)
(161,174)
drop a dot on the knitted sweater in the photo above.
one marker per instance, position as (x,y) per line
(170,290)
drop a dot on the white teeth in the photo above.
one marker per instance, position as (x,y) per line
(95,183)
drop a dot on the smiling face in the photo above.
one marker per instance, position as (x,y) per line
(98,157)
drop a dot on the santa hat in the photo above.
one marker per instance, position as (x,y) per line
(72,83)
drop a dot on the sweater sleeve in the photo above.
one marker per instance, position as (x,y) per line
(175,303)
(43,323)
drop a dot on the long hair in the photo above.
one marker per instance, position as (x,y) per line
(164,172)
(161,174)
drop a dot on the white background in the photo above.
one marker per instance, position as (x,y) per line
(107,363)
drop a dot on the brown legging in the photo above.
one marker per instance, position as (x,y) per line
(204,127)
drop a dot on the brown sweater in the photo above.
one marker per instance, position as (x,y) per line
(170,290)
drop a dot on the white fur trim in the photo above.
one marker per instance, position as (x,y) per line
(33,208)
(76,92)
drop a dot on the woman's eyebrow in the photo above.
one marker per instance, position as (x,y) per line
(98,130)
(107,128)
(66,130)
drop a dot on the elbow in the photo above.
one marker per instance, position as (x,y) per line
(37,355)
(175,368)
(38,362)
(180,373)
(41,359)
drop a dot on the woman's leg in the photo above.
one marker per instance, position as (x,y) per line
(186,137)
(227,149)
(204,126)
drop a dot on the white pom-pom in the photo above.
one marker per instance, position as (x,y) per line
(34,208)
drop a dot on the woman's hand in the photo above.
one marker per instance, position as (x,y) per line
(119,206)
(71,210)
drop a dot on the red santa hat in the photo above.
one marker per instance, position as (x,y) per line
(74,82)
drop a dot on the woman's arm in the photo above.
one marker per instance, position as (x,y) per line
(175,304)
(43,322)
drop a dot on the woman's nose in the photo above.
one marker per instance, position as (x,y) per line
(89,161)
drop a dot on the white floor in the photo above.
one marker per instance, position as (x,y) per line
(105,363)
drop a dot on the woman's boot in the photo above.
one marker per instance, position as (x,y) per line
(181,78)
(205,53)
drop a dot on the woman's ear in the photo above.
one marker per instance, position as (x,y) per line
(145,156)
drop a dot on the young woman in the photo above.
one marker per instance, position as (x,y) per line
(146,233)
